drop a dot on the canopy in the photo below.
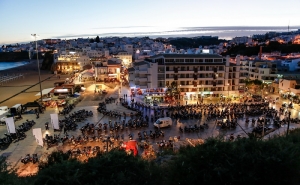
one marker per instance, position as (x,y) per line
(32,104)
(46,99)
(131,145)
(45,91)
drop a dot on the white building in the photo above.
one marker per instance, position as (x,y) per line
(289,87)
(125,57)
(292,63)
(128,48)
(266,71)
(195,75)
(242,40)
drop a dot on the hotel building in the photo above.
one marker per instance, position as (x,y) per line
(196,75)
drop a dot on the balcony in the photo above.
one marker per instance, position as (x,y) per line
(143,79)
(186,71)
(142,71)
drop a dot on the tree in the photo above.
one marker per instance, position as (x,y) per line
(92,40)
(115,167)
(173,90)
(97,39)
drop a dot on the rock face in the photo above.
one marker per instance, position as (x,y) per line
(48,61)
(13,56)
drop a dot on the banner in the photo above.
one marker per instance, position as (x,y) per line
(54,121)
(10,124)
(37,133)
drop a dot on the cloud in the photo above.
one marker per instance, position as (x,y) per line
(123,27)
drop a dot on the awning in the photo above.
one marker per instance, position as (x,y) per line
(45,91)
(46,99)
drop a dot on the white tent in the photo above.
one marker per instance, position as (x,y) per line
(10,124)
(45,91)
(37,132)
(54,121)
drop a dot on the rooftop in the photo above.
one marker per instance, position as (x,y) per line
(188,56)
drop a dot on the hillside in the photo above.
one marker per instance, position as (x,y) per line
(186,43)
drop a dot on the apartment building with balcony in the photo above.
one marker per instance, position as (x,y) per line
(107,70)
(196,75)
(144,75)
(264,70)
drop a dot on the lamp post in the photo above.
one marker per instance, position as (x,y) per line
(228,90)
(202,89)
(262,91)
(288,126)
(38,65)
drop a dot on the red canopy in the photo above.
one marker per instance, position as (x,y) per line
(131,145)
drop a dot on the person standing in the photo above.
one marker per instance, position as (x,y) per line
(65,130)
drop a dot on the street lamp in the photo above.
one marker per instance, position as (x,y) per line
(202,89)
(262,91)
(38,65)
(228,90)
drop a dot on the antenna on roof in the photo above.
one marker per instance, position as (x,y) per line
(289,27)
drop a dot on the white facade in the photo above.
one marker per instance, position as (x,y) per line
(125,57)
(128,48)
(143,75)
(292,63)
(289,86)
(265,71)
(242,40)
(202,74)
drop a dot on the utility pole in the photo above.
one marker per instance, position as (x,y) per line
(264,123)
(38,65)
(289,121)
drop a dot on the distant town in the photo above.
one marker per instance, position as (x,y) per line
(210,70)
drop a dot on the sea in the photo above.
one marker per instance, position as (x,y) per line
(223,32)
(9,65)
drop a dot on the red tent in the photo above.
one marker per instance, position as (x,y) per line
(132,146)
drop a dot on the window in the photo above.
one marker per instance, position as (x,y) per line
(179,60)
(169,60)
(218,60)
(198,60)
(189,60)
(208,60)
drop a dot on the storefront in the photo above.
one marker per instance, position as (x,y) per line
(197,95)
(154,98)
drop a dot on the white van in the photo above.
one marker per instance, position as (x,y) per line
(163,122)
(3,113)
